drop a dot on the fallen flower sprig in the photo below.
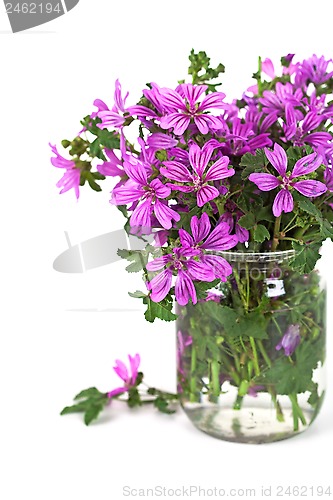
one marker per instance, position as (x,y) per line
(92,402)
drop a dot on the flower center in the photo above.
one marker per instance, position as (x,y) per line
(197,182)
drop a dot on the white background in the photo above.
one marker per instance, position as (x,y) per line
(49,79)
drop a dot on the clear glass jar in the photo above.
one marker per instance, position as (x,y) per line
(251,354)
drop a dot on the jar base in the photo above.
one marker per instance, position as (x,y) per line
(247,425)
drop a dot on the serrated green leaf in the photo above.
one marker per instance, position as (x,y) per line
(201,288)
(247,221)
(294,377)
(234,324)
(138,259)
(307,206)
(306,257)
(252,163)
(92,413)
(161,310)
(260,233)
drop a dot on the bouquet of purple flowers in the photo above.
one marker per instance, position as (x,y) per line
(206,177)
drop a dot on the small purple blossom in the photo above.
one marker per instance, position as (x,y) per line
(128,376)
(286,181)
(183,105)
(290,340)
(197,179)
(147,195)
(71,178)
(187,270)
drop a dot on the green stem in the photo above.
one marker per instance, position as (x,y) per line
(255,356)
(297,412)
(264,353)
(238,402)
(193,382)
(276,236)
(279,412)
(215,371)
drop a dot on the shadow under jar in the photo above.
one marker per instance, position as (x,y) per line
(251,354)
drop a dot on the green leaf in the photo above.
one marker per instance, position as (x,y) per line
(201,288)
(109,139)
(306,257)
(79,408)
(253,163)
(138,259)
(93,412)
(92,392)
(260,233)
(294,377)
(233,323)
(137,294)
(163,405)
(307,206)
(201,70)
(161,310)
(247,221)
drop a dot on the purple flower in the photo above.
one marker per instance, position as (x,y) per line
(71,178)
(275,102)
(202,242)
(328,177)
(284,201)
(313,70)
(161,141)
(301,133)
(147,195)
(187,270)
(115,118)
(197,181)
(111,167)
(242,139)
(183,106)
(128,376)
(290,340)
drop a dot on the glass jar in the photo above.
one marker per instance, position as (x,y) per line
(251,352)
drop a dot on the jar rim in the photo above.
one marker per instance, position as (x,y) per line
(236,256)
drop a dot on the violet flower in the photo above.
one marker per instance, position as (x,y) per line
(301,133)
(183,106)
(71,178)
(128,376)
(313,70)
(283,201)
(290,340)
(197,181)
(148,195)
(111,166)
(192,261)
(116,117)
(187,270)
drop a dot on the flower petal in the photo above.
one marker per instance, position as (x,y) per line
(158,263)
(141,217)
(199,271)
(165,214)
(213,100)
(160,285)
(200,227)
(220,239)
(177,121)
(205,194)
(176,171)
(199,158)
(219,170)
(186,239)
(306,165)
(283,203)
(220,267)
(278,159)
(184,289)
(265,182)
(310,188)
(161,190)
